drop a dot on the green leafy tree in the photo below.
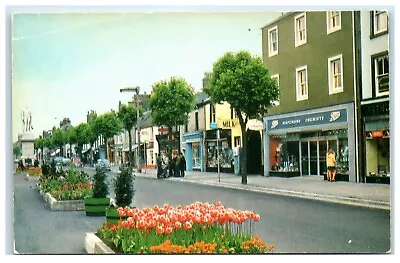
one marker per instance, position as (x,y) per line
(128,116)
(58,138)
(17,150)
(245,83)
(107,125)
(124,184)
(82,132)
(39,144)
(71,138)
(170,103)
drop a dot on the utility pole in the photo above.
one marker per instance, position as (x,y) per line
(135,89)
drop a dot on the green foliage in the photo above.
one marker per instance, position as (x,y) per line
(100,187)
(46,170)
(75,186)
(107,125)
(17,149)
(171,102)
(124,187)
(21,166)
(36,163)
(71,136)
(244,82)
(127,114)
(59,138)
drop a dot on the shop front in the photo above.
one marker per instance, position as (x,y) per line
(376,130)
(223,146)
(296,144)
(165,143)
(194,148)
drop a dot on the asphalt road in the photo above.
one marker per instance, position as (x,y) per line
(294,225)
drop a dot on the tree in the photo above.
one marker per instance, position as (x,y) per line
(170,103)
(17,150)
(127,114)
(245,83)
(71,138)
(107,125)
(58,138)
(39,144)
(82,132)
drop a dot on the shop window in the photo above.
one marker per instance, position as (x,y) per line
(300,26)
(380,73)
(378,153)
(285,155)
(225,154)
(335,74)
(237,141)
(273,41)
(196,150)
(333,21)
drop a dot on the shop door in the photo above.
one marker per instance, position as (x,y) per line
(314,157)
(304,158)
(323,148)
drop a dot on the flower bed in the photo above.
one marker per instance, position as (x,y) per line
(75,186)
(34,171)
(199,228)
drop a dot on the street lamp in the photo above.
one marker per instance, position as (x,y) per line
(135,89)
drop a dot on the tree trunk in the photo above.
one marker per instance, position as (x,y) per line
(170,142)
(130,150)
(243,155)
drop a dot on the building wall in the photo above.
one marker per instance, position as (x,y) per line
(315,53)
(369,47)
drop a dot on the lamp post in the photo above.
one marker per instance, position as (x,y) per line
(135,89)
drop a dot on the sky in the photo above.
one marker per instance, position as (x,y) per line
(65,64)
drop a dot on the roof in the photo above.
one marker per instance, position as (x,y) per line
(146,120)
(201,97)
(282,17)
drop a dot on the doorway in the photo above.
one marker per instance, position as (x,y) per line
(253,152)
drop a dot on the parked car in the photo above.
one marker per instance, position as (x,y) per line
(103,163)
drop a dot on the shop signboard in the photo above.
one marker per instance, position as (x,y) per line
(327,117)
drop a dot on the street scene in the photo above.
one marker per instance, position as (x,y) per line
(202,133)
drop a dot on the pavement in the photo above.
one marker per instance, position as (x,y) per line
(308,187)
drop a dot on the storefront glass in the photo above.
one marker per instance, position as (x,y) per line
(225,153)
(285,155)
(196,155)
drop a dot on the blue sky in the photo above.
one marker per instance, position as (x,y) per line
(65,64)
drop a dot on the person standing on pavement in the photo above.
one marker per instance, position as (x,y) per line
(331,163)
(158,163)
(182,165)
(177,165)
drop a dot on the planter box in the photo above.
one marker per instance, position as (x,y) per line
(113,216)
(96,206)
(94,245)
(67,205)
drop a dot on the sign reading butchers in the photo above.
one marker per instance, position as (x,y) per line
(308,120)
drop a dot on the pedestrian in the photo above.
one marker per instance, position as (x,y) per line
(182,165)
(330,163)
(158,163)
(171,167)
(177,165)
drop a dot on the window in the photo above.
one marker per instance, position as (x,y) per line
(301,83)
(212,113)
(380,70)
(379,23)
(233,113)
(300,28)
(275,77)
(333,21)
(273,41)
(335,74)
(196,116)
